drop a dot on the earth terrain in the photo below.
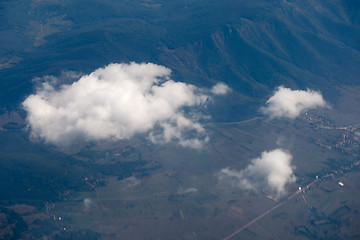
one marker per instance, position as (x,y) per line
(134,189)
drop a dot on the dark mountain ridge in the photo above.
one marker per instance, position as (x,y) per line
(253,46)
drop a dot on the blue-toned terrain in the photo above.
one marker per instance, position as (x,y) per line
(159,181)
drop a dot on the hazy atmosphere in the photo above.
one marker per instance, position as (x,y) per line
(184,119)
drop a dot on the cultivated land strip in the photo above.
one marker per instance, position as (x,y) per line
(272,209)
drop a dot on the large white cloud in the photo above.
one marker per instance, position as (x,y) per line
(116,102)
(272,171)
(290,103)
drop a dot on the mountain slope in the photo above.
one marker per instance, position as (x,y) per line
(251,45)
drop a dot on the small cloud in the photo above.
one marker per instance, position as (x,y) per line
(187,190)
(87,204)
(220,89)
(116,102)
(131,182)
(272,171)
(290,103)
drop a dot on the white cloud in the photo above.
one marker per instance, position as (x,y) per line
(87,203)
(187,190)
(273,170)
(220,89)
(290,103)
(131,182)
(117,102)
